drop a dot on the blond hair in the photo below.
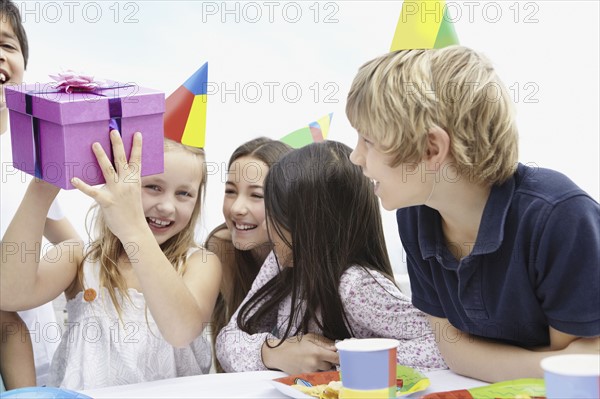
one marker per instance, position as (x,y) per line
(107,248)
(397,98)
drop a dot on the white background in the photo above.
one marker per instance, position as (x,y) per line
(545,51)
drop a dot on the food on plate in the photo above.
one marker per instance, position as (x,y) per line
(326,384)
(322,391)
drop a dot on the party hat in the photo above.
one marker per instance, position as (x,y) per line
(424,25)
(313,133)
(185,110)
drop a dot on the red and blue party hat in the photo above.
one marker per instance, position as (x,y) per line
(185,110)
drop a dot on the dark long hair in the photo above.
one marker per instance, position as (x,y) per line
(247,263)
(332,214)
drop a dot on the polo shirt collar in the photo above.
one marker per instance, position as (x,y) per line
(491,229)
(429,222)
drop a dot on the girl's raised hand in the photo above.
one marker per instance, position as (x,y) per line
(120,198)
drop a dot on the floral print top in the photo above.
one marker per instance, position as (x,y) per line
(374,306)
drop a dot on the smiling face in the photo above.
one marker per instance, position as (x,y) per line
(169,198)
(12,65)
(397,187)
(243,205)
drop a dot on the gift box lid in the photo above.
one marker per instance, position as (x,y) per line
(46,102)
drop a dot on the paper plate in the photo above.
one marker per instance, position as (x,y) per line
(42,393)
(408,381)
(523,388)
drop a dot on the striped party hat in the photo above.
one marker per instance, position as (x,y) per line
(424,25)
(185,110)
(313,133)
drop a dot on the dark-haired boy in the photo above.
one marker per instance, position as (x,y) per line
(14,54)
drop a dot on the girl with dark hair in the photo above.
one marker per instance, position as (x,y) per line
(241,243)
(328,277)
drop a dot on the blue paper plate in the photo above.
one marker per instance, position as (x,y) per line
(42,393)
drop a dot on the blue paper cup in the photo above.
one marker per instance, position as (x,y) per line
(368,368)
(572,376)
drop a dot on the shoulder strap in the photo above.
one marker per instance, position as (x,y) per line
(91,275)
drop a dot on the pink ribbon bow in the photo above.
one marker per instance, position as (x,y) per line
(71,81)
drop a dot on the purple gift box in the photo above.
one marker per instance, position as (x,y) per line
(52,132)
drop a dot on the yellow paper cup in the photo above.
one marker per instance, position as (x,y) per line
(572,376)
(368,368)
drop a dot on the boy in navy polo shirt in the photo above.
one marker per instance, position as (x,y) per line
(504,258)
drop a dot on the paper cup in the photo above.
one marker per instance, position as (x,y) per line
(368,368)
(572,376)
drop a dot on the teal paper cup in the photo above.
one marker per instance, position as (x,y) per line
(572,376)
(368,368)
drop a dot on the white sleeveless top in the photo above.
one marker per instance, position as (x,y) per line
(99,350)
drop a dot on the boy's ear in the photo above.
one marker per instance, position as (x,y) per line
(438,146)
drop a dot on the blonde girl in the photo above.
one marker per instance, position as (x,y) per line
(141,294)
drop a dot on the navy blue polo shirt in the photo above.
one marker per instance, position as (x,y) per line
(535,263)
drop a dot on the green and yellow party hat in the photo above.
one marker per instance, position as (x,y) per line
(314,132)
(424,25)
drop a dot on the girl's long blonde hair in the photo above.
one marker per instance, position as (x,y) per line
(107,249)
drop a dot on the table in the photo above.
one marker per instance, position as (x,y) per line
(255,384)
